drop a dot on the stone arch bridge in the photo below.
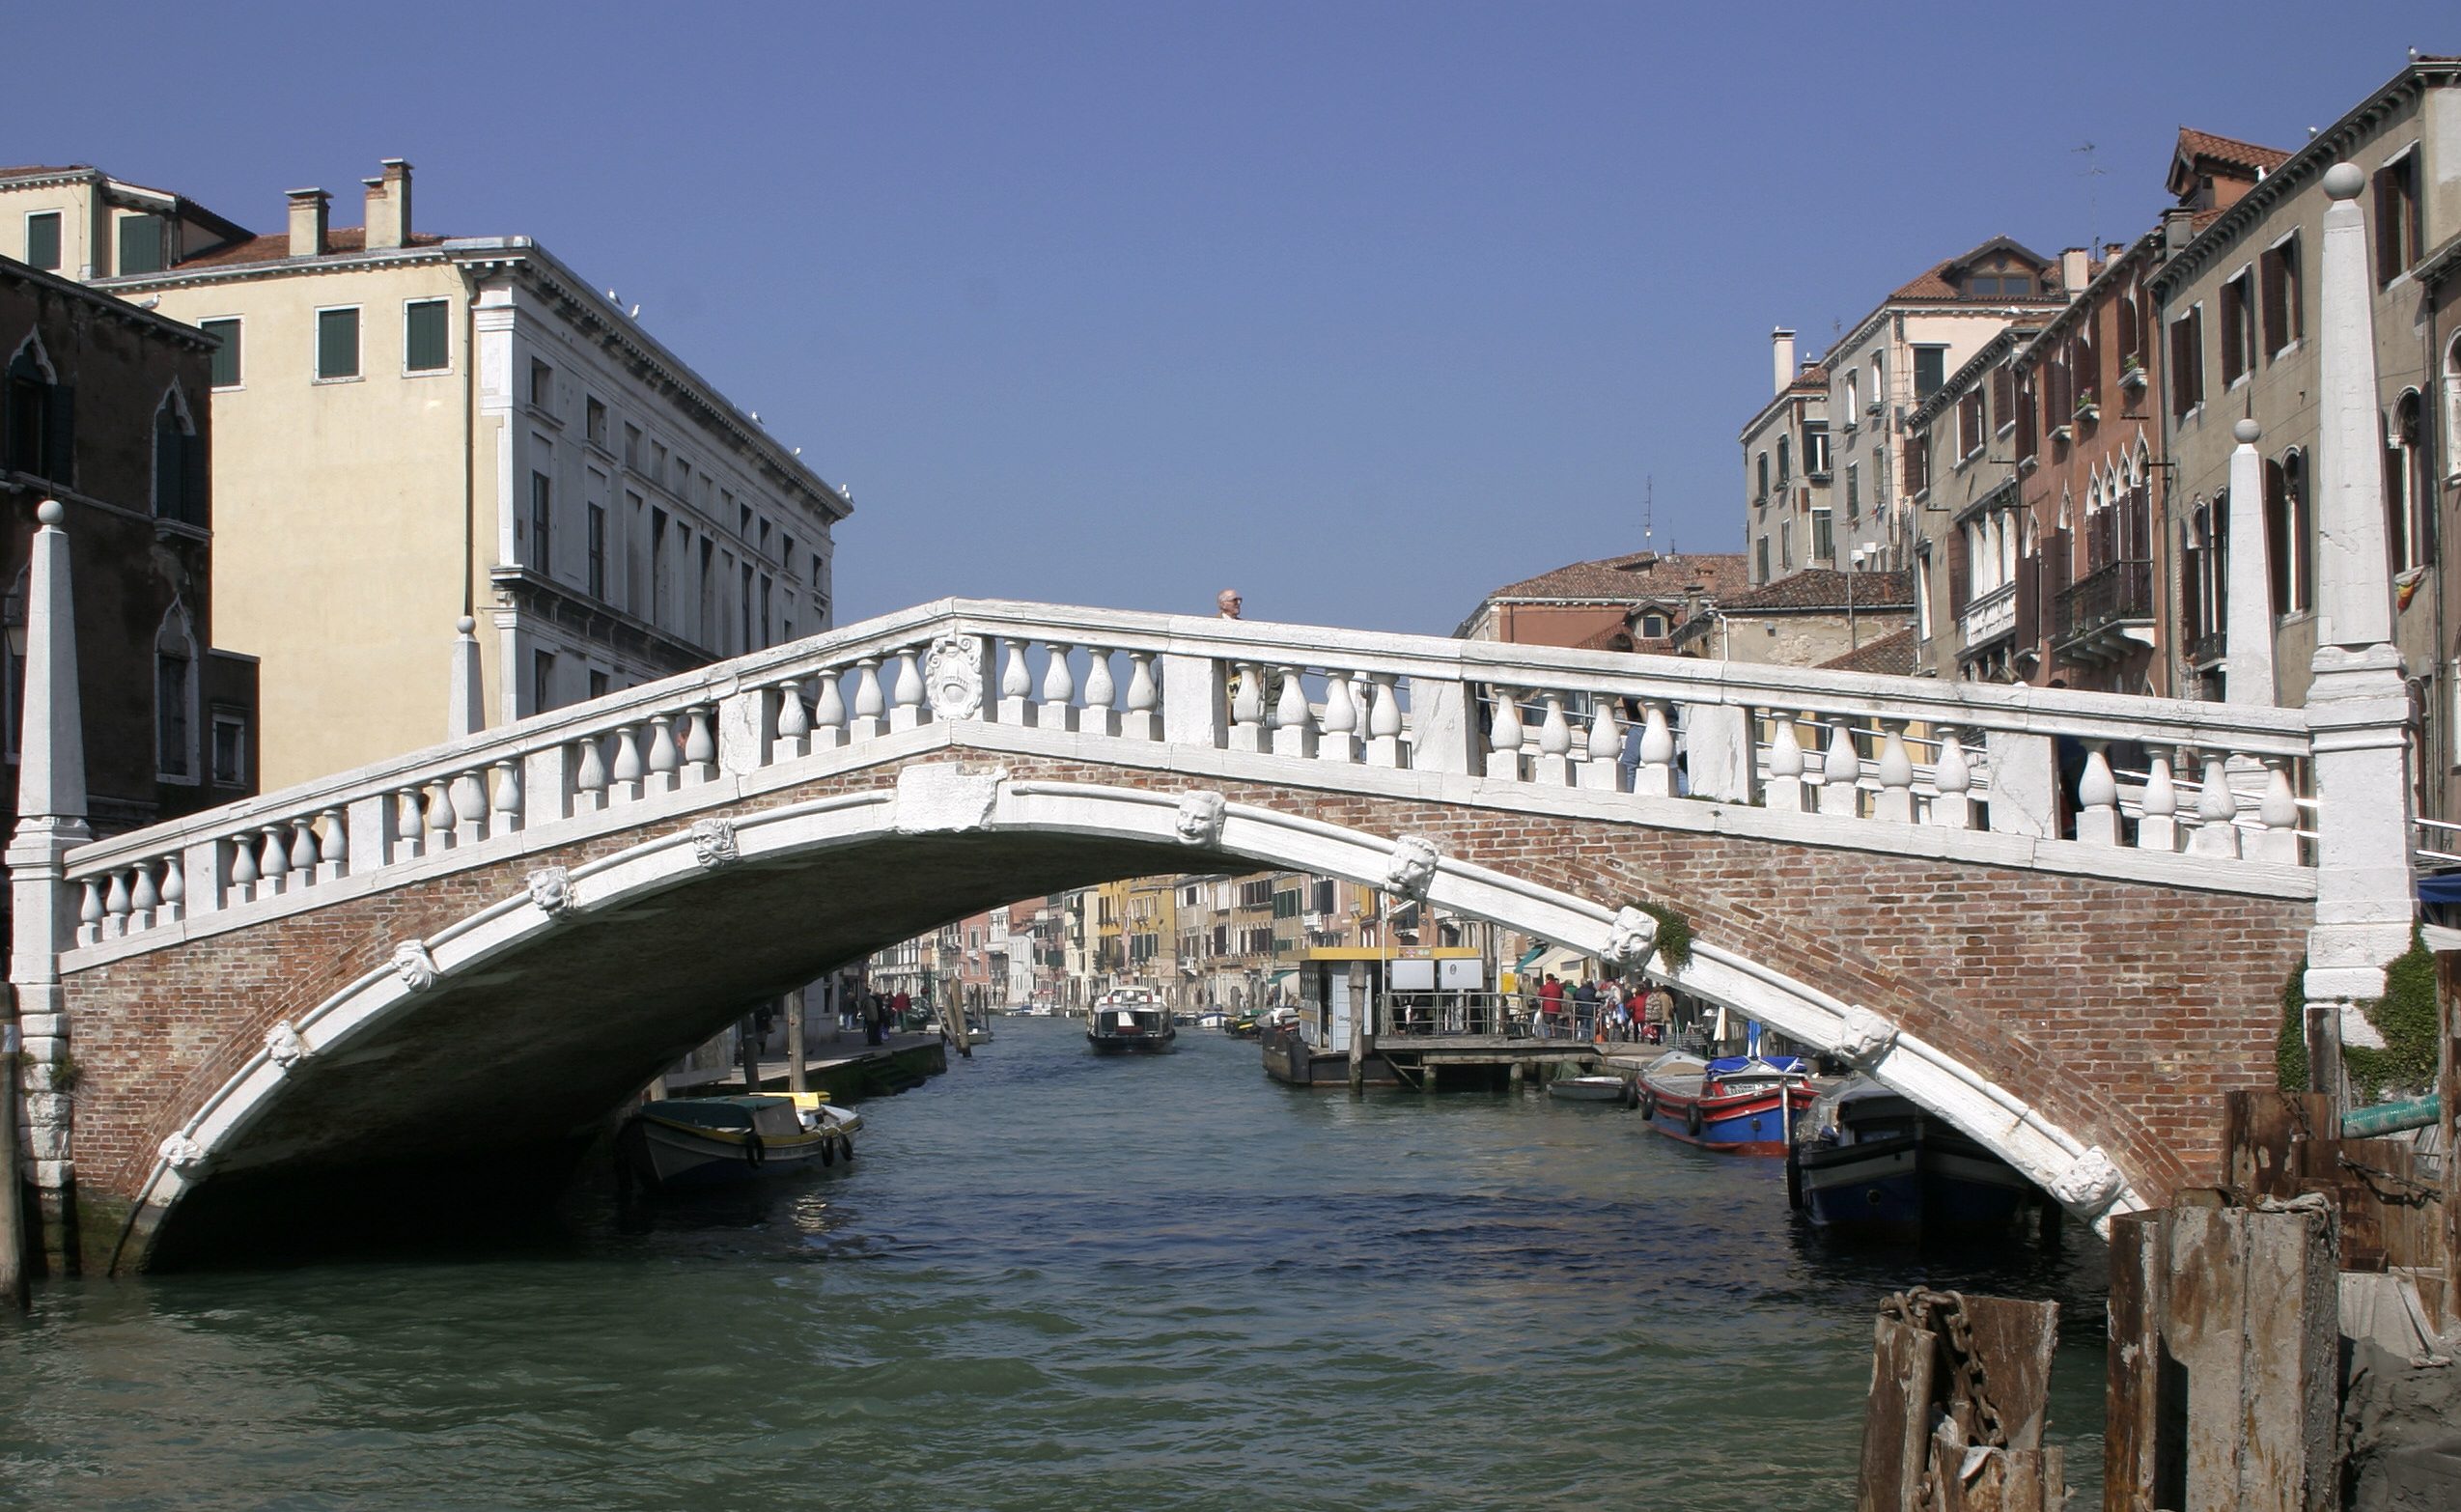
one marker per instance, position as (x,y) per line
(452,958)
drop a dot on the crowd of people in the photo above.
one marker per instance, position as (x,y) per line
(1605,1010)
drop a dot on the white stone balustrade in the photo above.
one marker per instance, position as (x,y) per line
(1850,754)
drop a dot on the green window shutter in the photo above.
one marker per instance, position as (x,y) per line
(43,242)
(226,352)
(197,481)
(425,344)
(170,471)
(337,343)
(140,244)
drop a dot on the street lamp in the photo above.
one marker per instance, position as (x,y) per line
(1854,565)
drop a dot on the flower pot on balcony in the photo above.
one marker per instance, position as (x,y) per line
(2088,412)
(2132,377)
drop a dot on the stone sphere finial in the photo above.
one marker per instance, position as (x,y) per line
(2246,431)
(50,512)
(466,624)
(2343,181)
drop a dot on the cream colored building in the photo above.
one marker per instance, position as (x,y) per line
(409,428)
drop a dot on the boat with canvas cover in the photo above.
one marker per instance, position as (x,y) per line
(1739,1104)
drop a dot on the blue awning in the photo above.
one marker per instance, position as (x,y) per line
(2440,887)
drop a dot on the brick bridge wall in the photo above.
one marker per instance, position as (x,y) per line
(2120,1010)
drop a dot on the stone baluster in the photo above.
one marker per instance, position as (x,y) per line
(1655,776)
(1503,734)
(273,861)
(1097,716)
(793,722)
(1841,773)
(589,775)
(1339,739)
(1384,747)
(305,853)
(700,743)
(175,891)
(905,709)
(1602,747)
(2097,797)
(1895,799)
(90,912)
(2278,839)
(143,898)
(1553,766)
(1016,685)
(1247,708)
(469,806)
(1952,805)
(871,710)
(2217,811)
(1059,691)
(829,713)
(443,822)
(662,758)
(504,816)
(116,906)
(626,774)
(332,845)
(1785,764)
(243,868)
(2158,811)
(1143,719)
(1294,728)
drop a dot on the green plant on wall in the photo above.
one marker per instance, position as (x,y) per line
(2405,1016)
(2290,1052)
(1674,934)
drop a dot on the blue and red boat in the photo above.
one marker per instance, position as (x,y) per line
(1739,1104)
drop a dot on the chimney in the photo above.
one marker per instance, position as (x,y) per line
(389,206)
(2178,228)
(2075,271)
(308,209)
(1782,342)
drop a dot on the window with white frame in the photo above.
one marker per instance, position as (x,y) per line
(174,697)
(229,750)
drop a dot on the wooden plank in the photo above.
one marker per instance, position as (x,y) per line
(2132,1375)
(2290,1388)
(2204,1303)
(2261,1131)
(2015,1340)
(1896,1419)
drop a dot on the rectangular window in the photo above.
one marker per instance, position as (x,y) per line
(1824,544)
(2398,233)
(2284,318)
(2238,329)
(542,521)
(1969,425)
(229,750)
(1815,454)
(1917,464)
(594,421)
(226,350)
(171,714)
(1931,370)
(1854,490)
(632,447)
(337,343)
(541,386)
(141,248)
(542,681)
(657,567)
(43,240)
(2187,361)
(1760,560)
(425,339)
(597,552)
(597,684)
(2003,397)
(1786,544)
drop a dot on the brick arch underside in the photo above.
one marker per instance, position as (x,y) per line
(2116,1010)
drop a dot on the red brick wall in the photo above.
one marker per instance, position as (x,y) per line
(2121,1011)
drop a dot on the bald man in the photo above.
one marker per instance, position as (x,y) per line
(1227,601)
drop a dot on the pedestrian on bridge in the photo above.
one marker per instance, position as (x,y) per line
(1226,604)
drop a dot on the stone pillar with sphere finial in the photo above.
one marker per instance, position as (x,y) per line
(51,822)
(2248,630)
(2358,703)
(465,714)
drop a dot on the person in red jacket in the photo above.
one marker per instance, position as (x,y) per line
(1551,1008)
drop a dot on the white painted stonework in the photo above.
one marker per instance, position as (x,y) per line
(936,799)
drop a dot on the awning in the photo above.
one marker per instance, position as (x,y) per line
(1529,955)
(2440,887)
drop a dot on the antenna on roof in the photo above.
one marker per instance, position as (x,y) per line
(1648,510)
(2093,213)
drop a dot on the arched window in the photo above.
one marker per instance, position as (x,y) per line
(178,461)
(174,697)
(2409,488)
(37,415)
(2289,531)
(2131,338)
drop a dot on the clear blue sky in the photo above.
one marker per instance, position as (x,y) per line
(1362,308)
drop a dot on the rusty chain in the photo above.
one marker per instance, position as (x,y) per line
(1942,1316)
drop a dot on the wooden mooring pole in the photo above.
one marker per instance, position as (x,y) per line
(798,1077)
(12,1191)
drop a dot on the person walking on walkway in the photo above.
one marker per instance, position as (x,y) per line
(1551,1007)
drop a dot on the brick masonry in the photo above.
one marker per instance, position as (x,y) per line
(2120,1010)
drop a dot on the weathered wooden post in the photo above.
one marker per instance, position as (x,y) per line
(798,1078)
(748,1045)
(1960,1391)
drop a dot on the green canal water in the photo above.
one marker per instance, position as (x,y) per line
(1051,1281)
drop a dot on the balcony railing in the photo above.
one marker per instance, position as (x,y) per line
(2097,611)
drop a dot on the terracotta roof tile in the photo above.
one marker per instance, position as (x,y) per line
(1893,654)
(1934,283)
(2194,144)
(1634,576)
(1825,588)
(277,248)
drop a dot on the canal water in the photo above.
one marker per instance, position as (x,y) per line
(1051,1281)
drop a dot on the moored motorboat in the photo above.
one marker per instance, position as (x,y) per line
(695,1140)
(1129,1021)
(1213,1018)
(1741,1104)
(1876,1165)
(1592,1089)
